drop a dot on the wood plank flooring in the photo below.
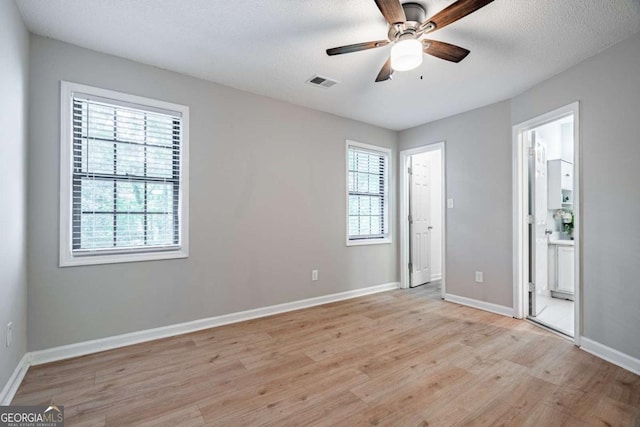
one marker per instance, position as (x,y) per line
(397,358)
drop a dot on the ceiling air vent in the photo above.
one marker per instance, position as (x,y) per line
(320,81)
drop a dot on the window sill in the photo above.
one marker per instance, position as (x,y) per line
(366,242)
(67,260)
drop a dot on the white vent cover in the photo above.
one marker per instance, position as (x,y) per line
(323,82)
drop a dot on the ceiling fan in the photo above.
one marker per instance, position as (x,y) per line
(407,24)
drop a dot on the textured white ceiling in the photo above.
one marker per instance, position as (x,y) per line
(272,47)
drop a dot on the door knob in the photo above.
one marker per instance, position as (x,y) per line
(549,232)
(430,228)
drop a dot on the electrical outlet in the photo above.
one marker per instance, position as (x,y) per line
(479,276)
(9,334)
(450,203)
(314,275)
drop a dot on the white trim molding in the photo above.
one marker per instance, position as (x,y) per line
(89,347)
(520,204)
(11,387)
(67,257)
(482,305)
(108,343)
(388,192)
(404,212)
(611,355)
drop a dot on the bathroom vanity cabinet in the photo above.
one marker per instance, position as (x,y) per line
(562,280)
(565,257)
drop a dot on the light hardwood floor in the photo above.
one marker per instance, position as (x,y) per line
(396,358)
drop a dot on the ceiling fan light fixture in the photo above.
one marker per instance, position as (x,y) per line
(406,55)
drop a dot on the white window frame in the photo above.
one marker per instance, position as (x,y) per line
(387,191)
(67,258)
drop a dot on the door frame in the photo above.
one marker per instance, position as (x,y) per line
(520,196)
(404,211)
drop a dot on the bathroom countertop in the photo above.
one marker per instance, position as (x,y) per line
(562,242)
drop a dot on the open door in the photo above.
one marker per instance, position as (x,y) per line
(538,246)
(547,220)
(419,220)
(531,229)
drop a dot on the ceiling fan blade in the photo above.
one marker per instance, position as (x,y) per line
(392,11)
(356,47)
(447,51)
(385,72)
(455,11)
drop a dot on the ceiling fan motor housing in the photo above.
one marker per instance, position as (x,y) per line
(415,14)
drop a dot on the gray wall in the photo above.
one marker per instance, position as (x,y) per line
(478,169)
(14,54)
(479,178)
(267,183)
(608,88)
(267,200)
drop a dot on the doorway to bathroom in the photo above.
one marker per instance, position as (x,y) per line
(546,220)
(422,219)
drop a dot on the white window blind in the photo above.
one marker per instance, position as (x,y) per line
(367,193)
(126,177)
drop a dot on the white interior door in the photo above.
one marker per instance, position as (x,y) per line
(420,219)
(538,246)
(541,212)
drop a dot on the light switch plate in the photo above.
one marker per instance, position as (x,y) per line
(450,203)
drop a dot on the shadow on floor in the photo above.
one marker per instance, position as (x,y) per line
(431,290)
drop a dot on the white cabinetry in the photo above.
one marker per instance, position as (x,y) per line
(564,264)
(561,269)
(560,186)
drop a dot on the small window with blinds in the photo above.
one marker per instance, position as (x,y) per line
(126,178)
(367,194)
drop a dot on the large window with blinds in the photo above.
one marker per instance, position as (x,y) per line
(124,177)
(367,194)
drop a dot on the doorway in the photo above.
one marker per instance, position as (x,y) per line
(422,214)
(546,221)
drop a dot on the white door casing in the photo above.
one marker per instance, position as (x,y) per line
(405,258)
(521,190)
(420,226)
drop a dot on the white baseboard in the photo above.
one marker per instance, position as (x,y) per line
(80,349)
(487,306)
(10,389)
(102,344)
(435,277)
(610,355)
